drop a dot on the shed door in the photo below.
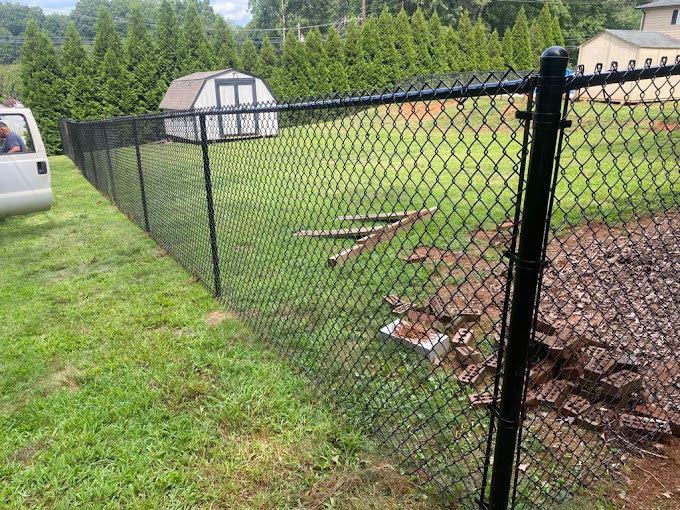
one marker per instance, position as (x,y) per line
(237,92)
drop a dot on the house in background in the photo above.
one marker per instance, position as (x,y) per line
(218,89)
(658,40)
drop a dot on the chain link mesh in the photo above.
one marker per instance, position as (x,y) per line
(364,236)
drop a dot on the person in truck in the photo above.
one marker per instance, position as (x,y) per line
(12,141)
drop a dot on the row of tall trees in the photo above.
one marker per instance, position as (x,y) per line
(129,76)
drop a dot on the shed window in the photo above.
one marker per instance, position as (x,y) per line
(675,20)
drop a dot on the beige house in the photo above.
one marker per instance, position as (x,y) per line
(657,40)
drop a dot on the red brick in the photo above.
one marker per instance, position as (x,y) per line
(644,425)
(621,384)
(555,392)
(464,337)
(482,400)
(472,374)
(542,371)
(626,362)
(600,364)
(468,356)
(654,411)
(545,327)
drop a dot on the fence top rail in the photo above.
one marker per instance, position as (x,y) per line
(615,76)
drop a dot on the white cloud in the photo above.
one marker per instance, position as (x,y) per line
(234,10)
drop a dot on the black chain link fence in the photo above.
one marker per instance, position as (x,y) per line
(371,239)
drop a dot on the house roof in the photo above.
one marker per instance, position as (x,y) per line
(659,3)
(644,39)
(183,91)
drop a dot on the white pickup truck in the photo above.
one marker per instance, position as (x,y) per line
(24,171)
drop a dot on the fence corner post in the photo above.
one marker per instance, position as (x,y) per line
(550,87)
(210,204)
(142,189)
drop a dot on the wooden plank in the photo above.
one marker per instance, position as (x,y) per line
(387,233)
(388,216)
(341,232)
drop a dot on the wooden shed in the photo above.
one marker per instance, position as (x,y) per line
(219,89)
(626,47)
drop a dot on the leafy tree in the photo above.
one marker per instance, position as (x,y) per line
(336,62)
(141,64)
(507,48)
(116,90)
(10,80)
(437,46)
(291,79)
(452,49)
(42,84)
(481,46)
(496,61)
(199,55)
(318,64)
(224,45)
(558,38)
(169,45)
(404,46)
(267,61)
(386,43)
(106,37)
(73,59)
(421,42)
(82,96)
(354,56)
(466,39)
(248,56)
(521,42)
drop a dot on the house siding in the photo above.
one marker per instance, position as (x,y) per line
(659,20)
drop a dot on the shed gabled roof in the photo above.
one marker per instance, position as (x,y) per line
(183,91)
(644,39)
(659,3)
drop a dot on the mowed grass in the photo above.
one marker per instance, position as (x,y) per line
(124,384)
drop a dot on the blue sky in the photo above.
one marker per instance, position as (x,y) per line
(235,10)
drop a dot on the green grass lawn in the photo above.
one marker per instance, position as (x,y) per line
(617,161)
(124,384)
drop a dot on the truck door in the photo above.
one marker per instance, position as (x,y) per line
(24,176)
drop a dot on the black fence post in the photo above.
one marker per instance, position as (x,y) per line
(211,208)
(109,165)
(94,169)
(141,174)
(550,87)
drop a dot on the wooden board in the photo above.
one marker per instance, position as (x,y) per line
(387,233)
(388,216)
(341,232)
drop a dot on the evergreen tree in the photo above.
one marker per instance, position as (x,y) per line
(404,46)
(224,45)
(466,39)
(545,29)
(496,61)
(421,43)
(42,84)
(354,56)
(336,62)
(267,61)
(73,58)
(521,42)
(106,36)
(291,78)
(387,51)
(141,64)
(318,64)
(558,38)
(248,56)
(169,45)
(507,48)
(374,70)
(481,46)
(199,56)
(452,48)
(82,97)
(117,94)
(437,46)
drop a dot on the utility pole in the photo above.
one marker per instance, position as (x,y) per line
(283,16)
(363,12)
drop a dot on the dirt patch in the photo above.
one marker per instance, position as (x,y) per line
(216,317)
(24,455)
(62,379)
(651,480)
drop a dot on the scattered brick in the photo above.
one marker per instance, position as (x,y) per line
(654,411)
(472,374)
(463,337)
(531,400)
(644,425)
(621,384)
(481,400)
(555,392)
(492,365)
(563,345)
(572,369)
(626,362)
(426,319)
(545,327)
(579,411)
(467,355)
(601,364)
(542,371)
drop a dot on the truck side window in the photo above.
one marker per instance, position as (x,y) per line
(14,133)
